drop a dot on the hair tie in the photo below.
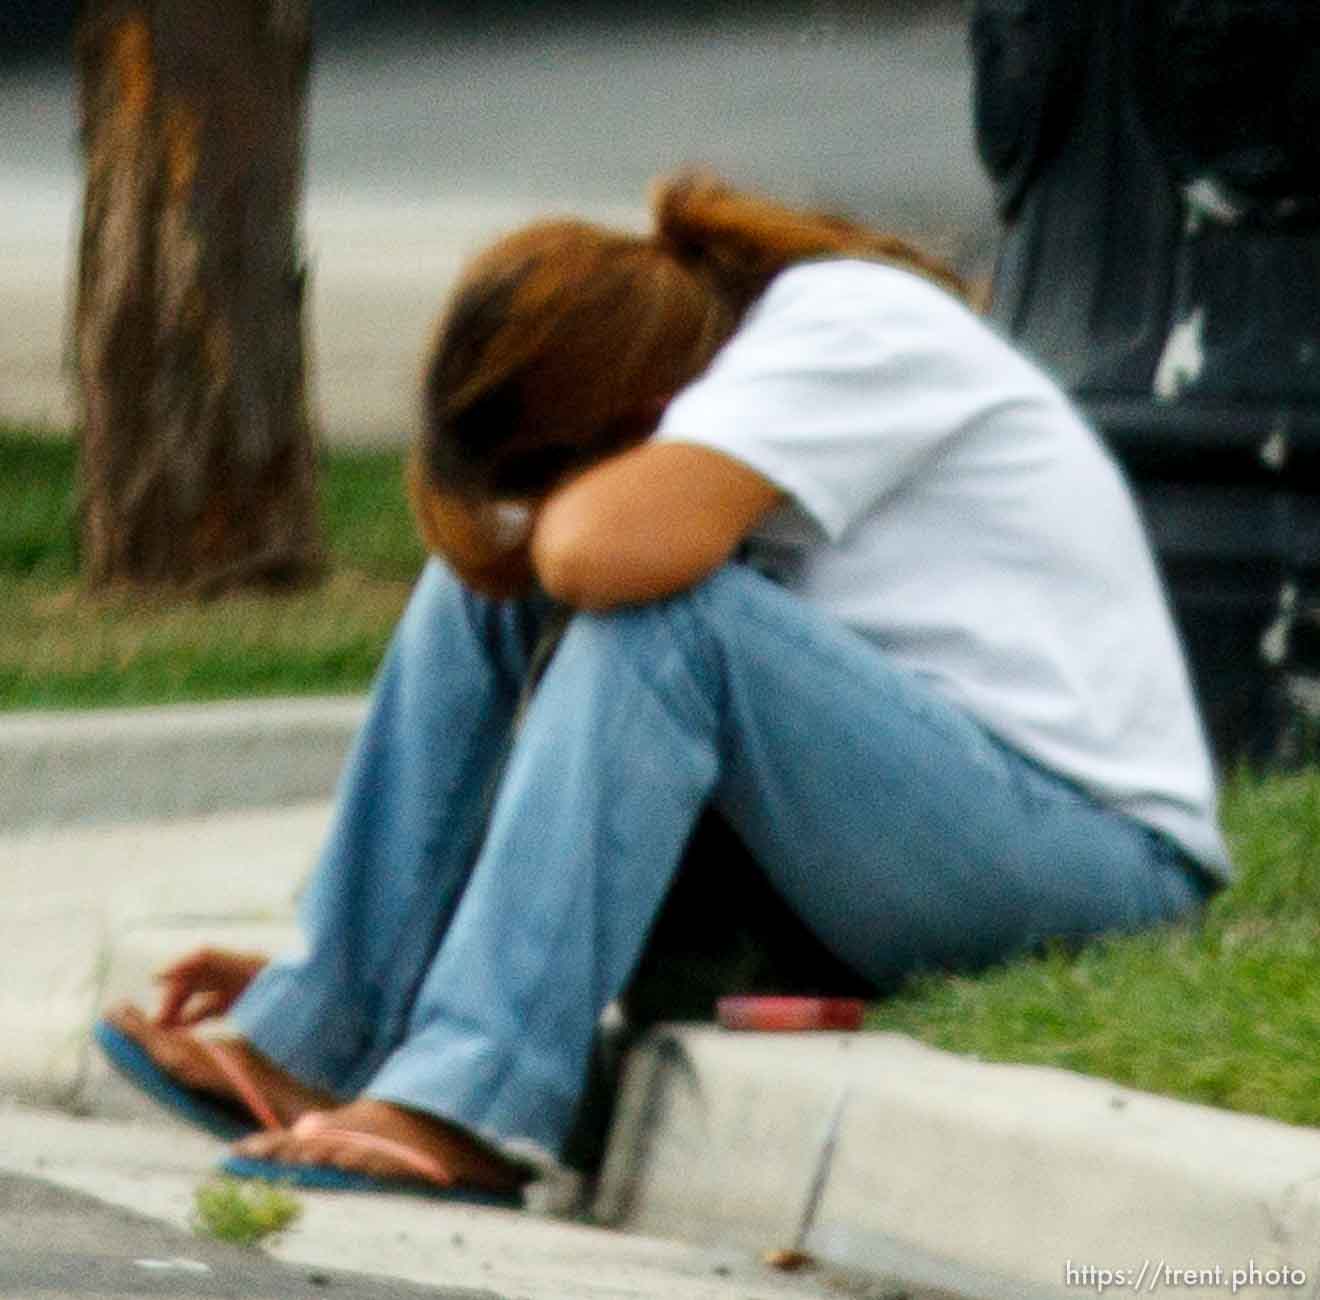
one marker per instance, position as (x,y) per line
(677,245)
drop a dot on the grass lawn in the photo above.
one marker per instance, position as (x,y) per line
(1227,1014)
(65,649)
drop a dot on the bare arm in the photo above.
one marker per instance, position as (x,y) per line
(645,524)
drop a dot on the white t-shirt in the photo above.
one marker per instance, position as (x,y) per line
(947,501)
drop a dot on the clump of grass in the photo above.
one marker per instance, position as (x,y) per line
(241,1212)
(367,520)
(37,507)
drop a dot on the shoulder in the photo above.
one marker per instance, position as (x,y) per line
(847,317)
(847,289)
(846,313)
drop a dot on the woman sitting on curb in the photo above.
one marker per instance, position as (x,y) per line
(842,566)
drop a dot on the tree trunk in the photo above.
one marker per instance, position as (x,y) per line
(198,470)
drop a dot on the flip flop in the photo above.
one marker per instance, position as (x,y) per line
(229,1120)
(429,1178)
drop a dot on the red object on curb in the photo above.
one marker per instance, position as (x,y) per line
(789,1015)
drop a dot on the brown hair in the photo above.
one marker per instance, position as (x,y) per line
(562,341)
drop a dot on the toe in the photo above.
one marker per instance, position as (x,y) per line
(261,1146)
(127,1018)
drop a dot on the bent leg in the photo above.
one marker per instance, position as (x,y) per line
(894,824)
(408,821)
(900,831)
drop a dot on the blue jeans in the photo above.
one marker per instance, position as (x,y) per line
(480,899)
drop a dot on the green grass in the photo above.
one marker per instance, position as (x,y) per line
(65,649)
(1227,1013)
(36,509)
(242,1213)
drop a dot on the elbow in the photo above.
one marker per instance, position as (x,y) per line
(559,574)
(562,559)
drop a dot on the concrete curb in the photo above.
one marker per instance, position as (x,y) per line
(58,769)
(889,1157)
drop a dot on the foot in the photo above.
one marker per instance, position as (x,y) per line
(183,1056)
(388,1141)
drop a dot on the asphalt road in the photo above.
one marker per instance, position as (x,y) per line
(56,1243)
(870,116)
(426,141)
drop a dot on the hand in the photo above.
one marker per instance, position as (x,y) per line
(204,984)
(484,542)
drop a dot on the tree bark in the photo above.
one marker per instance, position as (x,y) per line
(198,470)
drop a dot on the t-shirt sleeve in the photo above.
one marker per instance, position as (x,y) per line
(841,380)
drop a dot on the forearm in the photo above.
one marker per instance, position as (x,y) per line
(634,527)
(645,524)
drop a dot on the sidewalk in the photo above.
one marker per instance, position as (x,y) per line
(878,1155)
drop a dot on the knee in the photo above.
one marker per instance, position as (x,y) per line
(703,606)
(631,632)
(679,647)
(644,632)
(436,596)
(704,619)
(446,623)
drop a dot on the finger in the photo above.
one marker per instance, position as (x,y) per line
(251,965)
(167,1014)
(204,1006)
(189,966)
(175,999)
(214,968)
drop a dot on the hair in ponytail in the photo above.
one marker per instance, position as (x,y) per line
(742,241)
(562,341)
